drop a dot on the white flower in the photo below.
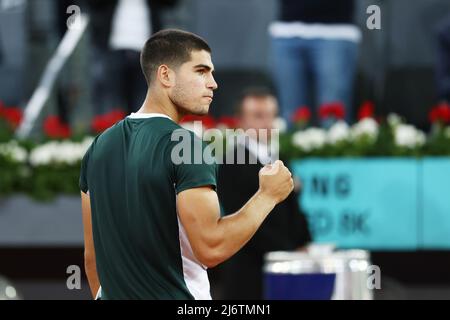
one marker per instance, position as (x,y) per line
(68,152)
(14,151)
(65,152)
(43,154)
(19,154)
(310,139)
(280,124)
(366,127)
(408,136)
(338,132)
(394,119)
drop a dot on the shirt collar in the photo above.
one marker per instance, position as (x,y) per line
(139,115)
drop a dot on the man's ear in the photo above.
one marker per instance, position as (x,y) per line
(166,76)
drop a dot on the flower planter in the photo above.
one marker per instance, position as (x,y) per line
(377,203)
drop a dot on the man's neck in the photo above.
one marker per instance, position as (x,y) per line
(155,104)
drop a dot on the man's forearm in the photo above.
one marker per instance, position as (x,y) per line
(237,229)
(91,273)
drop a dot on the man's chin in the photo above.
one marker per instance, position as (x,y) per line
(201,112)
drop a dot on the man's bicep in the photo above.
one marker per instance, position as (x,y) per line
(198,206)
(199,213)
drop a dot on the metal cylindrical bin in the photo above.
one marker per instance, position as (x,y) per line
(340,275)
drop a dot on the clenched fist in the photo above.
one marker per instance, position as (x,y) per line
(275,181)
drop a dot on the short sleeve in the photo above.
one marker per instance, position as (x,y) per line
(194,166)
(83,182)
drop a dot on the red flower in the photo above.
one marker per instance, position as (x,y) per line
(105,121)
(115,115)
(333,109)
(440,113)
(301,114)
(229,122)
(366,110)
(99,124)
(207,121)
(55,128)
(12,115)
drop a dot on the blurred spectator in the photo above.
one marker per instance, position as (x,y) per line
(13,51)
(443,61)
(285,229)
(66,86)
(119,30)
(314,45)
(1,48)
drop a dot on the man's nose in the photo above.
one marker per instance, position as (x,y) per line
(212,84)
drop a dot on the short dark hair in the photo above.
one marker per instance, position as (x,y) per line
(255,92)
(172,47)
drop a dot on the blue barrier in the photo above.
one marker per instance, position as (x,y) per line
(435,197)
(313,286)
(377,203)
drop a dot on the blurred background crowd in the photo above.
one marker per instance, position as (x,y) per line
(310,52)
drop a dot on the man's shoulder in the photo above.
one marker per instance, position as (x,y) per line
(166,127)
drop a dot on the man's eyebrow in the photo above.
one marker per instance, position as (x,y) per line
(204,66)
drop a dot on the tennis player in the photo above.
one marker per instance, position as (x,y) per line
(152,225)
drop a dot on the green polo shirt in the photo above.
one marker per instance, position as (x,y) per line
(132,180)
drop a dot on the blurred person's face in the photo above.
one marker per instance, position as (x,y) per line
(258,113)
(192,92)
